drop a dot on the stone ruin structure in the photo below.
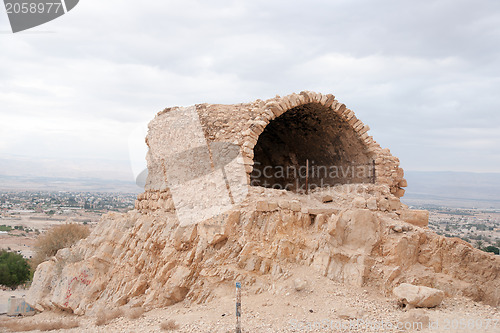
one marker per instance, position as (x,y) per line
(285,132)
(184,238)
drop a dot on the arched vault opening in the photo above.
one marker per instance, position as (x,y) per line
(310,134)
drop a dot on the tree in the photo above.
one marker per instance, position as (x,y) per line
(492,249)
(14,269)
(479,244)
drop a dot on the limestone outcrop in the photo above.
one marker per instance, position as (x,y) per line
(348,226)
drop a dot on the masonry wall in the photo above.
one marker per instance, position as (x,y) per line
(289,130)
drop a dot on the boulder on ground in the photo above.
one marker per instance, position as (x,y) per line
(299,284)
(418,296)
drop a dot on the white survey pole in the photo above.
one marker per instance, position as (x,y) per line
(238,307)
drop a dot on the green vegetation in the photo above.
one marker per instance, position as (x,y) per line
(480,227)
(3,227)
(14,269)
(492,249)
(458,213)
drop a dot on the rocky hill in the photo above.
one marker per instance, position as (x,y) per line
(212,214)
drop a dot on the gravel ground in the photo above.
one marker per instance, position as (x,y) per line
(322,306)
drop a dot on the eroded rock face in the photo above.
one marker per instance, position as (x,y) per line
(358,234)
(148,259)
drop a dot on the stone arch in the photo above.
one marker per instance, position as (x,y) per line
(310,134)
(337,138)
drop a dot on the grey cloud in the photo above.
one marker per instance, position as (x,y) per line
(424,75)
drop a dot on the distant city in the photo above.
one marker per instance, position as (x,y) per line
(480,227)
(62,202)
(26,214)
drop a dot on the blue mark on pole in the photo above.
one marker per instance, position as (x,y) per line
(238,284)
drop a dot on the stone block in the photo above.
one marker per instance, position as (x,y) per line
(262,206)
(320,220)
(416,217)
(359,202)
(326,198)
(266,206)
(371,204)
(348,114)
(418,296)
(295,206)
(275,108)
(284,204)
(329,101)
(340,108)
(272,205)
(399,192)
(394,204)
(325,211)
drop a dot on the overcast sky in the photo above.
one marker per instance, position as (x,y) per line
(424,75)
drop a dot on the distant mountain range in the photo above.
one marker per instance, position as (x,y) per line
(31,183)
(426,189)
(453,189)
(44,174)
(26,166)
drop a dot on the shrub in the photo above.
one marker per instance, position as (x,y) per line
(104,316)
(492,249)
(14,269)
(169,325)
(101,319)
(55,239)
(4,227)
(135,313)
